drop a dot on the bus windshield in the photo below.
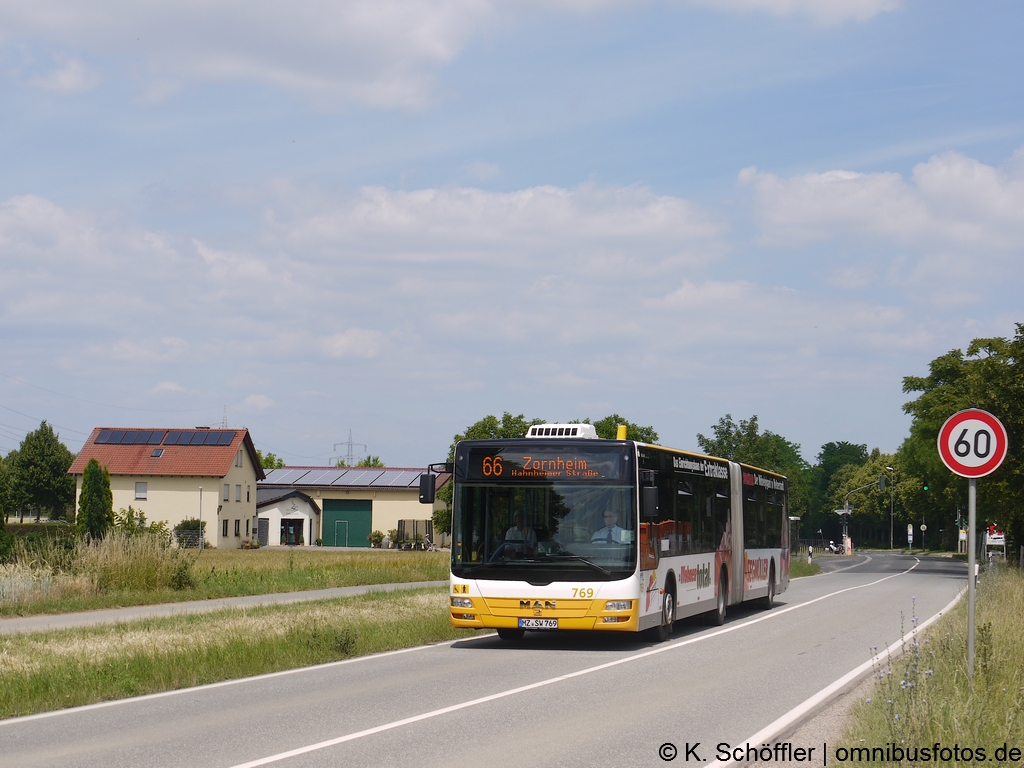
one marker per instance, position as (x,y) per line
(544,532)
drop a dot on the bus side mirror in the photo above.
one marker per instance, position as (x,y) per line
(427,488)
(649,501)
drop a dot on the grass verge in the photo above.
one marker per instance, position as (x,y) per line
(798,566)
(65,668)
(924,697)
(63,580)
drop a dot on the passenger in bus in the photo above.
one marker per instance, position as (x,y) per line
(611,533)
(520,539)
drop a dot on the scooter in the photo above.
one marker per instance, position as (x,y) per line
(835,549)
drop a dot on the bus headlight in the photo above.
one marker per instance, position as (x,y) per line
(618,605)
(461,602)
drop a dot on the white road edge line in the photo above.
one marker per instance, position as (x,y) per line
(773,730)
(550,681)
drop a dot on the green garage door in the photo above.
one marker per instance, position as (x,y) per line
(347,522)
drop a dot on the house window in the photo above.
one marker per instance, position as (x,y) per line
(247,527)
(238,528)
(227,494)
(140,491)
(247,494)
(238,458)
(224,529)
(238,493)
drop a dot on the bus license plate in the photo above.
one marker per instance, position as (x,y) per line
(538,623)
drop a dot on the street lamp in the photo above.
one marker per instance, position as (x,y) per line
(892,502)
(200,517)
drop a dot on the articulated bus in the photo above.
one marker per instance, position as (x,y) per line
(562,530)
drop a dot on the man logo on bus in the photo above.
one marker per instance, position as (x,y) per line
(528,604)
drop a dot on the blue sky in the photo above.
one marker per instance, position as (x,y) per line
(397,217)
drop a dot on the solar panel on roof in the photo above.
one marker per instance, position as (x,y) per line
(116,436)
(155,438)
(285,476)
(211,438)
(197,438)
(324,477)
(397,478)
(103,436)
(355,477)
(226,438)
(171,438)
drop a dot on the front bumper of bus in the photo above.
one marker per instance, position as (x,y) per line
(476,612)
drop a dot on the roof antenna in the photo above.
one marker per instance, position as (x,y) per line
(224,421)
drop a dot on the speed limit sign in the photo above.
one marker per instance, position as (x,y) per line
(972,443)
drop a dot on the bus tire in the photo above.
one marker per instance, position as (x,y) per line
(507,633)
(769,599)
(717,617)
(663,631)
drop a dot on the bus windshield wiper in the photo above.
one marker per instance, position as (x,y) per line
(591,563)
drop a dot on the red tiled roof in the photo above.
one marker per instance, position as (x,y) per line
(178,460)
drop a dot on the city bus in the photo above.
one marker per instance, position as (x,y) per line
(562,530)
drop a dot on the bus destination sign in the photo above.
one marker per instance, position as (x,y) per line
(542,462)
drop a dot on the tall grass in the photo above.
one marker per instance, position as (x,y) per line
(121,570)
(56,669)
(924,696)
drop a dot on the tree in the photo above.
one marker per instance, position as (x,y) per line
(95,503)
(370,461)
(989,375)
(269,460)
(744,443)
(6,540)
(41,480)
(608,427)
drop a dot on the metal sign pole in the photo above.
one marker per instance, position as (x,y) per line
(972,540)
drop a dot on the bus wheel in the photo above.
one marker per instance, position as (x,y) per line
(668,617)
(769,599)
(717,617)
(511,634)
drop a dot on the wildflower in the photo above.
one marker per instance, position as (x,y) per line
(897,716)
(929,672)
(868,699)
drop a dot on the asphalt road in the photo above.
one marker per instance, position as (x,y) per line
(551,700)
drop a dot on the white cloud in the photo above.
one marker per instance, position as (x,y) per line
(951,199)
(226,266)
(824,12)
(589,223)
(167,387)
(255,403)
(353,342)
(72,76)
(383,53)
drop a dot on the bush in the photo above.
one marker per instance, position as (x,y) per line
(187,533)
(123,562)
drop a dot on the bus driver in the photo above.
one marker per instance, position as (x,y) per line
(611,533)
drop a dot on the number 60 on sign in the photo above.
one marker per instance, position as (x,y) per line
(972,443)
